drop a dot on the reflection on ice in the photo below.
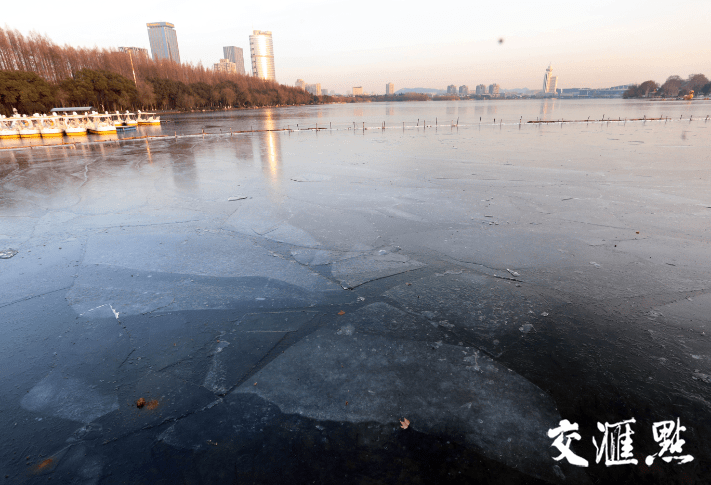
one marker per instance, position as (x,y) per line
(270,151)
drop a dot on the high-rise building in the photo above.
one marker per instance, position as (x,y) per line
(494,89)
(550,82)
(262,53)
(136,52)
(300,84)
(480,89)
(225,65)
(451,89)
(164,41)
(357,90)
(235,54)
(464,90)
(389,89)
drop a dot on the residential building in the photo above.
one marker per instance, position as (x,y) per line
(613,92)
(314,89)
(225,65)
(481,89)
(464,90)
(262,53)
(550,82)
(451,89)
(357,90)
(494,89)
(300,84)
(389,89)
(236,55)
(164,41)
(136,52)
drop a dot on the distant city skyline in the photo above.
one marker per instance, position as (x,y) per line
(596,45)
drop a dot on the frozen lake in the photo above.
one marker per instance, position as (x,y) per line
(282,300)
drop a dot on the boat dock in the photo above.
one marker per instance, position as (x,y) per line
(72,122)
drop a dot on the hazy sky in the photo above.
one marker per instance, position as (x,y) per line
(412,44)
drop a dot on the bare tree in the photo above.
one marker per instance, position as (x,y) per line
(647,87)
(672,86)
(695,83)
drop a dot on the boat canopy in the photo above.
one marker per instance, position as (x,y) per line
(78,109)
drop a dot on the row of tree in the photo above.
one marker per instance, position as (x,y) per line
(673,87)
(36,75)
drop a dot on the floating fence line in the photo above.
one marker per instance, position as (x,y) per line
(356,127)
(359,126)
(603,120)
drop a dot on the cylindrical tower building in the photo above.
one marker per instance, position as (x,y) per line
(262,52)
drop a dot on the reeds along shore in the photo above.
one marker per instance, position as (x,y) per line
(37,75)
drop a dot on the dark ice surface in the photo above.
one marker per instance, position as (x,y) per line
(282,300)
